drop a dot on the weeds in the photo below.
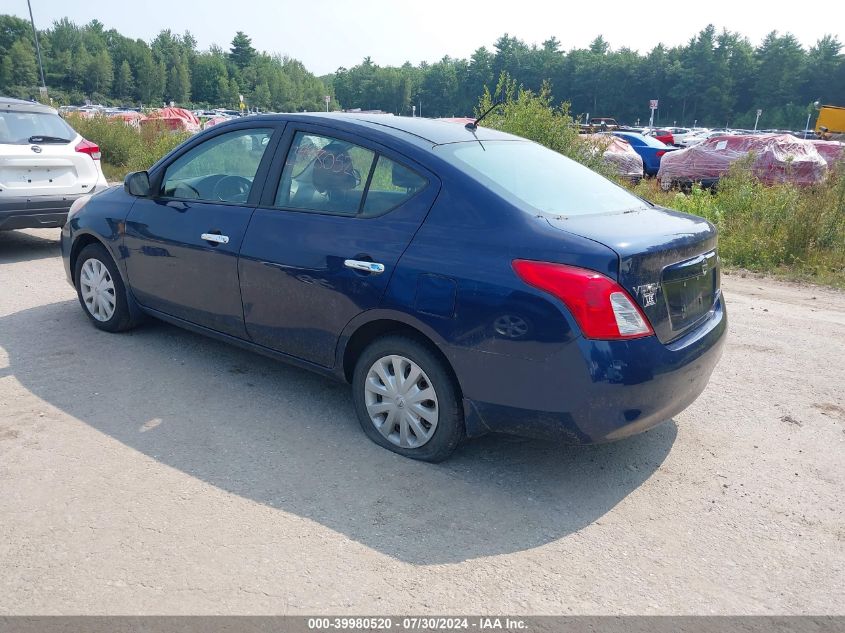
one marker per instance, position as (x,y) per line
(125,148)
(783,229)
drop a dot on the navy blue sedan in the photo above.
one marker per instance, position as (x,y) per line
(649,148)
(464,281)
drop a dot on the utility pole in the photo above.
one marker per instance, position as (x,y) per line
(37,48)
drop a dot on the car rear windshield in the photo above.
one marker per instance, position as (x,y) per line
(17,128)
(526,173)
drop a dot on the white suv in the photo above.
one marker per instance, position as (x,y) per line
(44,166)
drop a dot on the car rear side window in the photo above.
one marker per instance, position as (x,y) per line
(221,169)
(330,175)
(391,185)
(17,128)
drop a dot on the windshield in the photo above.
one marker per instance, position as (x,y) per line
(16,128)
(526,173)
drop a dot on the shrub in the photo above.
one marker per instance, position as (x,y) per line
(125,148)
(532,116)
(781,228)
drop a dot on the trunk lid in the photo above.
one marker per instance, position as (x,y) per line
(53,169)
(667,262)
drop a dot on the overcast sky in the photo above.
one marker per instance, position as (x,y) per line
(326,34)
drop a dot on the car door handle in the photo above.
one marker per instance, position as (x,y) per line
(369,267)
(215,237)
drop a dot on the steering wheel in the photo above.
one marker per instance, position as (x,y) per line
(232,189)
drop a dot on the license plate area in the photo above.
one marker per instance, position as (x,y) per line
(55,173)
(690,288)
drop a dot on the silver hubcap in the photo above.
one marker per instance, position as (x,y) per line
(401,401)
(97,288)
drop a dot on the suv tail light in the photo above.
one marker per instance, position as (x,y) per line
(87,147)
(601,307)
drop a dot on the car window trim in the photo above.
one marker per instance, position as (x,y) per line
(259,182)
(285,144)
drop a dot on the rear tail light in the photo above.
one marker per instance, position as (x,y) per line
(601,307)
(660,153)
(87,147)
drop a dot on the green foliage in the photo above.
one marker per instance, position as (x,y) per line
(24,69)
(533,116)
(91,62)
(178,82)
(242,53)
(780,228)
(123,86)
(715,79)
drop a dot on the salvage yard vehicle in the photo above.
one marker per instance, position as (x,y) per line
(44,166)
(462,279)
(775,158)
(650,149)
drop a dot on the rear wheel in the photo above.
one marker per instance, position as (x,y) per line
(101,291)
(406,399)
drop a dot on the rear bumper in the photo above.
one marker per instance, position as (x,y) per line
(34,212)
(593,391)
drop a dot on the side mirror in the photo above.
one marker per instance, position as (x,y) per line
(137,183)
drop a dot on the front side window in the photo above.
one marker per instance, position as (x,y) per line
(329,175)
(221,169)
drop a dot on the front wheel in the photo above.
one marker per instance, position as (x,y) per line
(101,291)
(406,399)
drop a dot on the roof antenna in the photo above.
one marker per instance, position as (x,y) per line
(473,125)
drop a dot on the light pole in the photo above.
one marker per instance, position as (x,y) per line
(816,105)
(37,47)
(759,112)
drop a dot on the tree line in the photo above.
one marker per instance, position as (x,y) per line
(92,63)
(716,79)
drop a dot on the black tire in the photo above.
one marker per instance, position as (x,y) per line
(449,429)
(121,320)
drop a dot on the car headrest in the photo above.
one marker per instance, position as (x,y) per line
(333,170)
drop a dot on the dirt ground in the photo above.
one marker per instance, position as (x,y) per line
(161,472)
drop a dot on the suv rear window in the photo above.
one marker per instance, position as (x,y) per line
(17,128)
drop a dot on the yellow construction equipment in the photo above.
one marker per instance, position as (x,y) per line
(831,121)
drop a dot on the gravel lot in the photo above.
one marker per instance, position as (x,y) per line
(162,472)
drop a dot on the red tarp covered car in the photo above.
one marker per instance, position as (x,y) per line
(176,119)
(831,151)
(619,154)
(777,158)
